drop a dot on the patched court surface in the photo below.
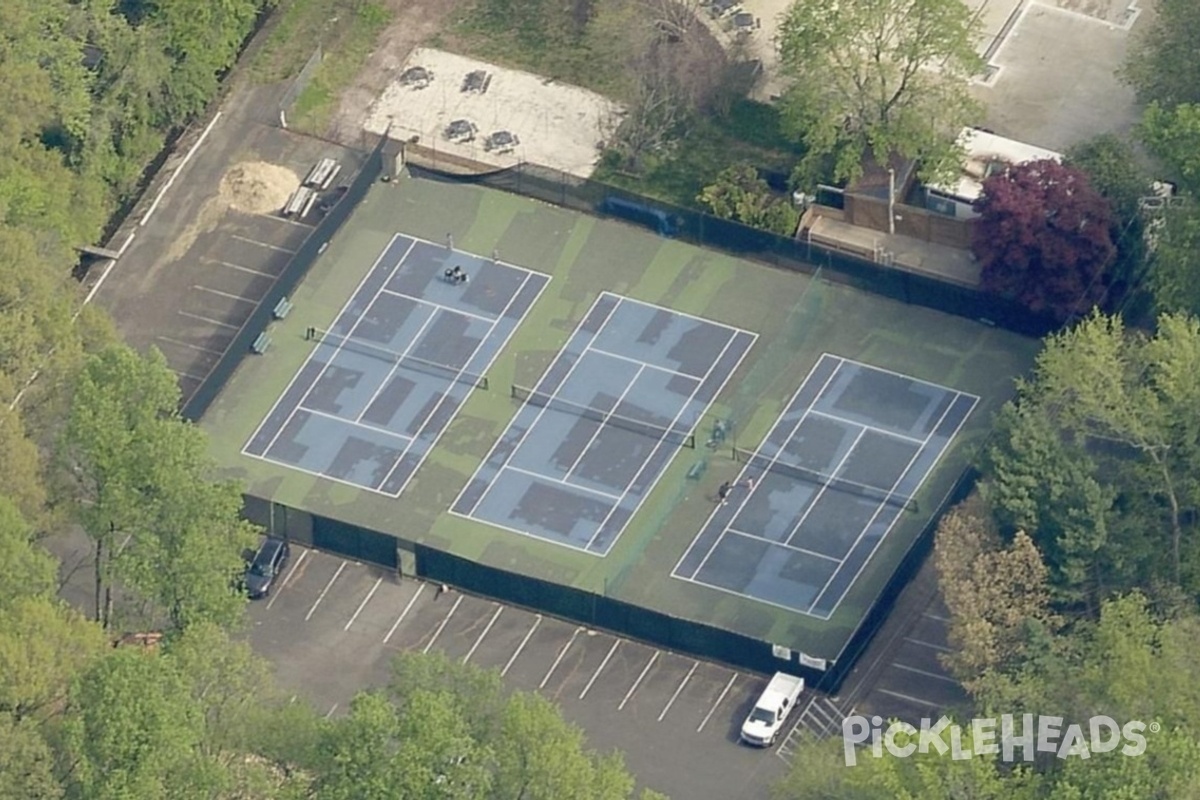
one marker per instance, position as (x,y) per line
(595,433)
(382,384)
(607,351)
(831,479)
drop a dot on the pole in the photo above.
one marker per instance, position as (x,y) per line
(891,200)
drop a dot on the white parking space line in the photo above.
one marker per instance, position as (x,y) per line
(678,689)
(275,247)
(909,698)
(930,645)
(521,646)
(491,622)
(559,659)
(287,579)
(720,698)
(191,346)
(638,682)
(363,604)
(937,617)
(209,320)
(324,592)
(274,218)
(240,268)
(442,626)
(188,375)
(596,674)
(926,673)
(226,295)
(330,712)
(404,613)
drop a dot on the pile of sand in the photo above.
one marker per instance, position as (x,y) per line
(257,187)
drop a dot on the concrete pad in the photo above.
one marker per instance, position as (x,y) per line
(558,125)
(1056,83)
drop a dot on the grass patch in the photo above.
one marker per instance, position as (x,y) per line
(343,60)
(750,132)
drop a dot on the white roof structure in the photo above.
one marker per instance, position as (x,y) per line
(986,153)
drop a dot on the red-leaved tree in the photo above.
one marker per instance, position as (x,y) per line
(1044,237)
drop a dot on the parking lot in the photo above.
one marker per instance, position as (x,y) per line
(332,627)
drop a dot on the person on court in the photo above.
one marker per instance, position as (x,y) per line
(723,492)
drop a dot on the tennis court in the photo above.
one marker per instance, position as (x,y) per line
(593,436)
(382,384)
(835,473)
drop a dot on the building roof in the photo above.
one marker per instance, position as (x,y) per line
(985,152)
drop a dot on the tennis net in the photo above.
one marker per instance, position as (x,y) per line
(394,357)
(554,403)
(765,464)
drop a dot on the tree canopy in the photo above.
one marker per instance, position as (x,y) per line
(1044,238)
(873,78)
(1162,65)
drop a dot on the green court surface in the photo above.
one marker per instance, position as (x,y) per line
(797,318)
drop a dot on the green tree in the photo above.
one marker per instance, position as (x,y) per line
(873,78)
(740,195)
(1161,65)
(160,524)
(26,763)
(1174,280)
(1173,134)
(43,646)
(26,570)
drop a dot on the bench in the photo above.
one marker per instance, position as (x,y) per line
(697,470)
(282,308)
(261,344)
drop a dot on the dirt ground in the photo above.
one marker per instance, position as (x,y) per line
(414,22)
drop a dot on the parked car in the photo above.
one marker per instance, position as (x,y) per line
(766,719)
(265,568)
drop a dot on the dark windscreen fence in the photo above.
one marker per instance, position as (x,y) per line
(696,227)
(764,464)
(555,403)
(285,284)
(372,350)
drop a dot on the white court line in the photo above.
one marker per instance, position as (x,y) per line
(619,357)
(209,320)
(600,426)
(881,431)
(324,592)
(909,698)
(190,346)
(930,645)
(638,682)
(580,487)
(491,360)
(657,307)
(363,604)
(520,441)
(443,307)
(928,471)
(600,669)
(945,389)
(561,654)
(833,476)
(519,532)
(926,673)
(404,613)
(391,372)
(442,627)
(240,268)
(316,412)
(720,699)
(226,295)
(678,689)
(659,444)
(775,458)
(298,468)
(186,158)
(337,350)
(274,247)
(521,646)
(287,579)
(478,641)
(784,545)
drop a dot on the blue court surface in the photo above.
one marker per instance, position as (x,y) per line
(594,435)
(835,473)
(403,354)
